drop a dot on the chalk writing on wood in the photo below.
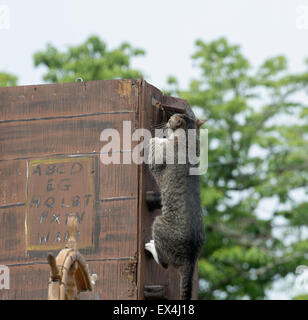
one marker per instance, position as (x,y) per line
(56,189)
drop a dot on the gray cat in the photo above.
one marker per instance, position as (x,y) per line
(178,233)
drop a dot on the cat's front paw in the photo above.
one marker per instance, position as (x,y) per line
(157,142)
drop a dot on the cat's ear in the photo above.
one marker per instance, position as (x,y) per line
(199,123)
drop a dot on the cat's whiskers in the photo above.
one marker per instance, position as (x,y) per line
(160,125)
(159,130)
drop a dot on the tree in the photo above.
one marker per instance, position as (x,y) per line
(257,124)
(7,80)
(89,61)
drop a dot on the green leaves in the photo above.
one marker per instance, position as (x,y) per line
(254,257)
(298,216)
(301,297)
(91,61)
(223,66)
(272,66)
(7,80)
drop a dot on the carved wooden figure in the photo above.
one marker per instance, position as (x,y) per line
(69,273)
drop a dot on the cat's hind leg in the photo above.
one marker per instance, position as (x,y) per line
(150,246)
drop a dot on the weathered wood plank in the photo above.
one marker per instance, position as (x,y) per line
(12,234)
(118,181)
(67,99)
(116,280)
(114,234)
(60,136)
(115,230)
(13,179)
(13,182)
(27,283)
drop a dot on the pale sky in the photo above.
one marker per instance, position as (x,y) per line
(167,30)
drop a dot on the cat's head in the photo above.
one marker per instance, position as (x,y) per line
(180,120)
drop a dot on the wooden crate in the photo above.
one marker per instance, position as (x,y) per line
(50,167)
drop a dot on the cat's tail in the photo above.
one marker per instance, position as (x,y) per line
(186,280)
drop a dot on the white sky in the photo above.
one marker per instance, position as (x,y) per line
(166,29)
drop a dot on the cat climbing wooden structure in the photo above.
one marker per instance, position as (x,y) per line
(50,168)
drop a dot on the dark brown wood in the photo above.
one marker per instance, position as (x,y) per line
(12,234)
(58,136)
(68,100)
(13,176)
(54,271)
(155,292)
(176,105)
(153,200)
(60,124)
